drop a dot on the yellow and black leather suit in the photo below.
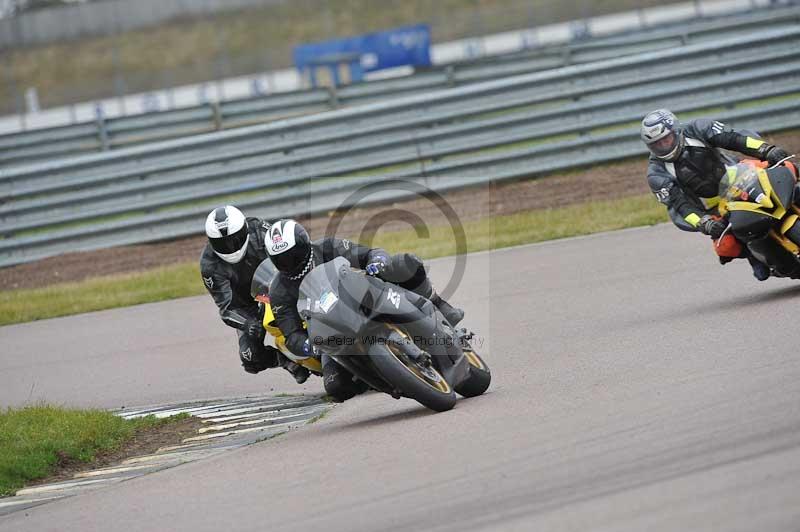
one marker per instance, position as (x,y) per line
(688,187)
(271,326)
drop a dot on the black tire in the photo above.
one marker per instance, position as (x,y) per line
(424,385)
(480,376)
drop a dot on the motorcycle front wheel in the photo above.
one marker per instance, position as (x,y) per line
(424,384)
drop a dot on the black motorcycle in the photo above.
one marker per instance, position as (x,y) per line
(390,338)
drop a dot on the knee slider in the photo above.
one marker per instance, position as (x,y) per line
(339,387)
(338,382)
(414,270)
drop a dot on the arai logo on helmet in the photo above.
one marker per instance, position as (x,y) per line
(279,244)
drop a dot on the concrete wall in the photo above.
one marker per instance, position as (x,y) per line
(106,17)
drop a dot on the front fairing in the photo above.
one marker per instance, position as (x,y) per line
(346,310)
(348,300)
(325,299)
(783,183)
(755,199)
(748,187)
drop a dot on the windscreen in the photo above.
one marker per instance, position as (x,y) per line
(741,183)
(333,294)
(262,278)
(319,291)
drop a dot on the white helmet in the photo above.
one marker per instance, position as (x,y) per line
(289,248)
(226,228)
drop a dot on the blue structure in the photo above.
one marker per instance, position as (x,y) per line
(405,46)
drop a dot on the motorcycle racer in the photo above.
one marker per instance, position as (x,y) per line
(294,255)
(686,166)
(234,250)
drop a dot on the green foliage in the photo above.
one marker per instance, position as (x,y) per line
(34,439)
(253,40)
(100,293)
(531,226)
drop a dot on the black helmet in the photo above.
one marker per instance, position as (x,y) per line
(289,248)
(226,229)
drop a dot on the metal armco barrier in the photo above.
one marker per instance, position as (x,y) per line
(36,145)
(517,127)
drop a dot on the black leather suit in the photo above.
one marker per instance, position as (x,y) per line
(229,285)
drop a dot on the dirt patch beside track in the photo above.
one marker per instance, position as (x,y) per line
(146,441)
(600,183)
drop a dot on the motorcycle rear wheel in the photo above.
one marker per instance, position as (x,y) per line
(480,376)
(425,385)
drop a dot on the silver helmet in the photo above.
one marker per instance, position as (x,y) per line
(662,134)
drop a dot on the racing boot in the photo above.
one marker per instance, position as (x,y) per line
(760,270)
(299,373)
(452,314)
(409,272)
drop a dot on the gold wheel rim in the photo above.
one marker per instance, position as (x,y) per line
(439,384)
(474,360)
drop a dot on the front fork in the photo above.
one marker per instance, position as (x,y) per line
(408,347)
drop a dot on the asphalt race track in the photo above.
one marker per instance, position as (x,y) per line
(637,386)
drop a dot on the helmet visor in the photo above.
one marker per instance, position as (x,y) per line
(664,146)
(290,261)
(231,243)
(293,260)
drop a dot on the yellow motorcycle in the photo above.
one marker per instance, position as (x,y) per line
(761,207)
(259,290)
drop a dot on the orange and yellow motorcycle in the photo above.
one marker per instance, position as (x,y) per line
(761,207)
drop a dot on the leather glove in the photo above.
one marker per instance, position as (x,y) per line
(772,154)
(711,227)
(253,327)
(310,350)
(378,265)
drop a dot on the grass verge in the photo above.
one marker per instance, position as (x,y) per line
(99,293)
(34,440)
(183,280)
(531,226)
